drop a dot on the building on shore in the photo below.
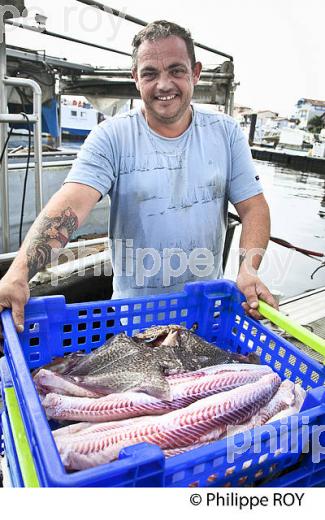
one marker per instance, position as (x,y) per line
(307,109)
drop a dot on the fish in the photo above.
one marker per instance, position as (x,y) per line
(193,351)
(120,365)
(110,355)
(216,369)
(155,335)
(292,408)
(141,371)
(126,363)
(82,430)
(62,365)
(287,401)
(108,408)
(177,429)
(47,381)
(284,398)
(132,404)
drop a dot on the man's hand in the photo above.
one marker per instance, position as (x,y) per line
(255,217)
(254,289)
(14,295)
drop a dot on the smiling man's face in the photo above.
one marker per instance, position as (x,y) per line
(166,80)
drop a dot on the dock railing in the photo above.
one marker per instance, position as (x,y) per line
(35,119)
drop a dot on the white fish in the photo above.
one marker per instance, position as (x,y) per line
(176,429)
(294,407)
(280,403)
(133,404)
(86,429)
(217,369)
(49,381)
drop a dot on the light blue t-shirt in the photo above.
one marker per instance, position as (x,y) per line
(169,196)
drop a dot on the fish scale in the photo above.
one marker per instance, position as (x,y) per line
(176,429)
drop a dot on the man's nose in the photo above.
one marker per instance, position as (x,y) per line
(164,81)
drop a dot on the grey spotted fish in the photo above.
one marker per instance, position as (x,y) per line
(156,334)
(136,369)
(120,365)
(110,355)
(192,351)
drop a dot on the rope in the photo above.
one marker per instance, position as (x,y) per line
(307,252)
(287,244)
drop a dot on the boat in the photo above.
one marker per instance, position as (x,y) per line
(78,118)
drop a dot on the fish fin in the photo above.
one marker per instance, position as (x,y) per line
(157,387)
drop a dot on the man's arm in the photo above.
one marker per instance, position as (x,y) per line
(52,229)
(255,217)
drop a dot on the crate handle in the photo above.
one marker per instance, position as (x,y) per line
(24,454)
(297,331)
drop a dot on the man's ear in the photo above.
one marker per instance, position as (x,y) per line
(197,72)
(135,76)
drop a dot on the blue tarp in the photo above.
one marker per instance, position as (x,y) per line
(50,119)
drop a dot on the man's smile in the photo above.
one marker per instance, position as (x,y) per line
(166,98)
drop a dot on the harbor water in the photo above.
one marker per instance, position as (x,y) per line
(295,199)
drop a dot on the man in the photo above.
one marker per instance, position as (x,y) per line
(169,168)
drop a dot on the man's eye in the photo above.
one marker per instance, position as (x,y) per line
(148,75)
(178,72)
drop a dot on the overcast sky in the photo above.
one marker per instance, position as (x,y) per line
(278,47)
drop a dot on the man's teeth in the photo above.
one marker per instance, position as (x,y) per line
(166,98)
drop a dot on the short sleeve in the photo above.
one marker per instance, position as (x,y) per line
(244,181)
(94,165)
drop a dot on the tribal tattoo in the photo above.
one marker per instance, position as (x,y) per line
(51,230)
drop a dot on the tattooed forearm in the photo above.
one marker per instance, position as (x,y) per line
(38,256)
(52,232)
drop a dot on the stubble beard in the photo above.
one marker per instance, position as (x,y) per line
(169,120)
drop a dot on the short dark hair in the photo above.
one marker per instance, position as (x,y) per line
(162,29)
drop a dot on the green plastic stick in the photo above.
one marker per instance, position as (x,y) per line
(297,331)
(24,455)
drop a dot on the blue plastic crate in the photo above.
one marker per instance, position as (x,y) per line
(10,452)
(307,474)
(53,328)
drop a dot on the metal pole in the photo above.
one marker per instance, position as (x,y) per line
(37,101)
(231,99)
(63,37)
(3,137)
(138,21)
(16,118)
(252,129)
(227,102)
(37,107)
(59,139)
